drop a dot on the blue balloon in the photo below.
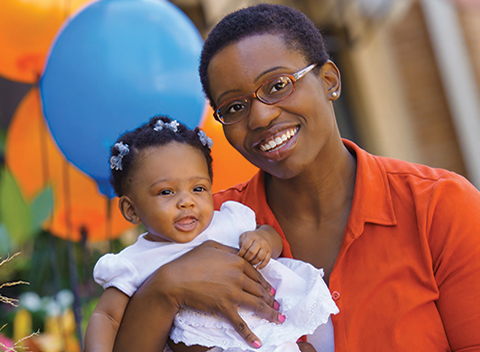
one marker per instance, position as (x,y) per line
(113,66)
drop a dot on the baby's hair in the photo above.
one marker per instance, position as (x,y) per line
(151,135)
(297,30)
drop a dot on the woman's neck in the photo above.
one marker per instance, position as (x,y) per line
(324,190)
(313,208)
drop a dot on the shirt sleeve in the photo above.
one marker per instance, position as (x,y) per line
(455,247)
(112,270)
(243,216)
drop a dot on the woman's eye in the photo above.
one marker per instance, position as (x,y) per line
(278,85)
(235,107)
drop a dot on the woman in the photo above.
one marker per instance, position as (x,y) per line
(399,243)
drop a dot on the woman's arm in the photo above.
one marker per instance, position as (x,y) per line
(105,320)
(210,278)
(454,240)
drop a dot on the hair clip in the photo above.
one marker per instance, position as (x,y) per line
(160,124)
(206,141)
(116,160)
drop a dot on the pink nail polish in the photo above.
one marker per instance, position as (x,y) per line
(257,344)
(272,291)
(281,318)
(276,305)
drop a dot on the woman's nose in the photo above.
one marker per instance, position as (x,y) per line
(261,114)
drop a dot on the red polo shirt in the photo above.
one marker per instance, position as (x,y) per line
(407,277)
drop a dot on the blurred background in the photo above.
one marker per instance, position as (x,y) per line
(74,74)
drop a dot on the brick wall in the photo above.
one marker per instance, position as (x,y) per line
(424,93)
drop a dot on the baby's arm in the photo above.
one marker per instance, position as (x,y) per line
(260,245)
(104,322)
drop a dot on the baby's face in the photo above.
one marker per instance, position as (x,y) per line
(171,192)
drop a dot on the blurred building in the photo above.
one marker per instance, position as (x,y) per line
(410,73)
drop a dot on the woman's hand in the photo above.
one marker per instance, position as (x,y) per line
(213,279)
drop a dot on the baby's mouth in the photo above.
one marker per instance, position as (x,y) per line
(277,140)
(187,223)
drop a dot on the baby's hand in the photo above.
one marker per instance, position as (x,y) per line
(255,249)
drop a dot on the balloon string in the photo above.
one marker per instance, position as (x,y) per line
(46,177)
(67,199)
(45,165)
(72,262)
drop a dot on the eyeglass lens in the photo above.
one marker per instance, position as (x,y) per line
(270,92)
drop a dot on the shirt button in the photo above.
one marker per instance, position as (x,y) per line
(335,295)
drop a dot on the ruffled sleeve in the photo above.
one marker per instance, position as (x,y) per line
(112,270)
(243,216)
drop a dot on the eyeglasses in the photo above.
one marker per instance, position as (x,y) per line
(270,92)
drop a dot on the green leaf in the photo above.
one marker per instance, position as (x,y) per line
(41,207)
(3,137)
(15,213)
(5,245)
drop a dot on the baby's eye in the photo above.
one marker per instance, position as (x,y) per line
(199,189)
(166,192)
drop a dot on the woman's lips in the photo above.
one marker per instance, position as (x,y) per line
(277,140)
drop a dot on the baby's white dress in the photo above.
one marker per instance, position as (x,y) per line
(304,298)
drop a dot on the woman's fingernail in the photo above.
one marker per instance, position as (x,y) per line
(257,344)
(272,291)
(276,305)
(281,318)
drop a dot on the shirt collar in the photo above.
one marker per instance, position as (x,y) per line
(372,199)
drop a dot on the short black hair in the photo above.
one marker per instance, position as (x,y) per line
(147,136)
(297,30)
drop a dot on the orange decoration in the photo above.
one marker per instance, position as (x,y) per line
(35,161)
(27,29)
(229,166)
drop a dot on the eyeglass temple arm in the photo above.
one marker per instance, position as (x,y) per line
(304,71)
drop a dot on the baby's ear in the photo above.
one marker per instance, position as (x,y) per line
(127,209)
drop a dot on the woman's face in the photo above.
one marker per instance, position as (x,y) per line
(285,138)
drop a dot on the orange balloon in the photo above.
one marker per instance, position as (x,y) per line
(229,166)
(27,29)
(35,161)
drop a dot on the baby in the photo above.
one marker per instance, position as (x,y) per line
(162,174)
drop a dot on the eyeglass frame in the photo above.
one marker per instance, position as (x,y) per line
(294,77)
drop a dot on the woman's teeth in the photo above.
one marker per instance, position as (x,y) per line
(278,141)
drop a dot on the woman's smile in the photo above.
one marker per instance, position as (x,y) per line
(276,146)
(278,140)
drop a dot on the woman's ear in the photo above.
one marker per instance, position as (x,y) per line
(331,77)
(128,210)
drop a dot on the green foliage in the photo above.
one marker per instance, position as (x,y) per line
(48,263)
(3,137)
(14,210)
(41,208)
(5,246)
(21,220)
